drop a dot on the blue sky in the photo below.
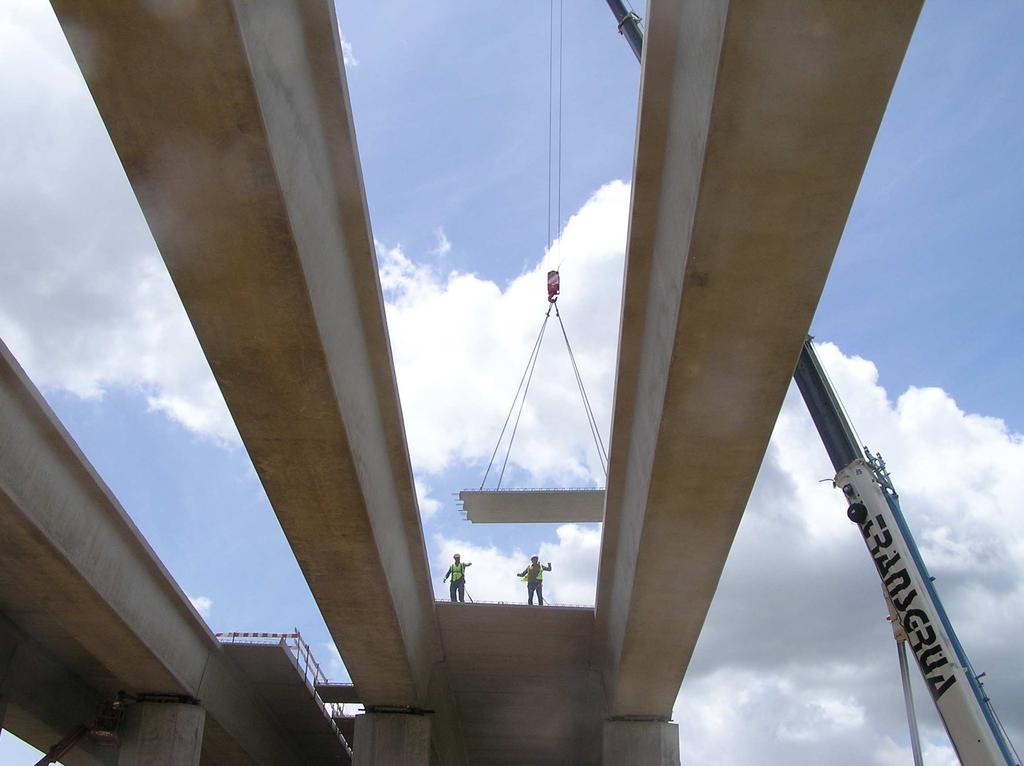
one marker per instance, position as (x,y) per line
(450,102)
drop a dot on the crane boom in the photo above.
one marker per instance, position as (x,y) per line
(873,505)
(629,26)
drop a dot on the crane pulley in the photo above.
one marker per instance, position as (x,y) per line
(554,286)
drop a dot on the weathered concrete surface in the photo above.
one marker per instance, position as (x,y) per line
(232,121)
(392,738)
(652,743)
(526,682)
(161,734)
(518,506)
(77,577)
(756,121)
(273,672)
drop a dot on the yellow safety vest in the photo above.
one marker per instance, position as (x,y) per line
(458,570)
(540,573)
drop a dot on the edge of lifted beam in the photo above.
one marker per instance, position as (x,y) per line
(233,124)
(532,506)
(79,579)
(756,122)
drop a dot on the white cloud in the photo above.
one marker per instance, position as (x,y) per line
(347,56)
(443,246)
(335,667)
(934,754)
(203,605)
(86,304)
(428,505)
(815,719)
(493,577)
(796,651)
(891,754)
(483,334)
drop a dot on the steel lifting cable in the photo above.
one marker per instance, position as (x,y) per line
(522,402)
(595,431)
(558,226)
(554,199)
(524,388)
(530,365)
(554,182)
(551,99)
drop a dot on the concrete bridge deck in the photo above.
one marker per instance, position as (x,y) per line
(526,682)
(273,670)
(88,609)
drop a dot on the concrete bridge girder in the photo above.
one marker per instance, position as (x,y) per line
(756,122)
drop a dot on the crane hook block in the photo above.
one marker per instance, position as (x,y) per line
(553,286)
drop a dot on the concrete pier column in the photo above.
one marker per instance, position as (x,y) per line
(644,743)
(388,738)
(161,734)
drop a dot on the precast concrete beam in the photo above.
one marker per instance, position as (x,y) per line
(527,506)
(756,121)
(161,734)
(274,671)
(232,121)
(78,578)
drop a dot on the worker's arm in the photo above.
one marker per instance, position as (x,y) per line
(469,563)
(548,567)
(447,574)
(523,573)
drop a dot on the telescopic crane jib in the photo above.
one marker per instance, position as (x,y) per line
(918,616)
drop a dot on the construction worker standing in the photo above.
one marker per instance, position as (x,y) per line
(533,576)
(457,571)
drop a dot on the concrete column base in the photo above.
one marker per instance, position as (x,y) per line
(161,734)
(644,743)
(382,739)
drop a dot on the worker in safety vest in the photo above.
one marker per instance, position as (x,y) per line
(533,576)
(457,571)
